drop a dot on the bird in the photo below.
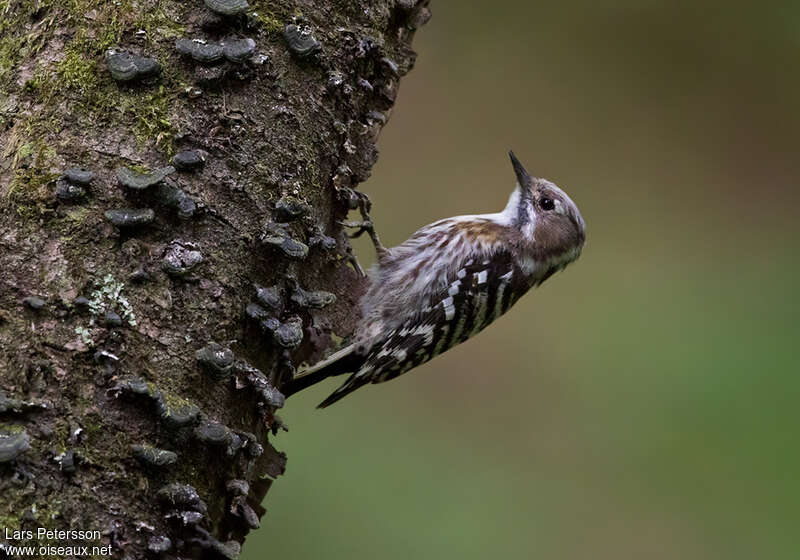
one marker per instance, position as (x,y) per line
(450,280)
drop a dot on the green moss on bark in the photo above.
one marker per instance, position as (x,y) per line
(270,127)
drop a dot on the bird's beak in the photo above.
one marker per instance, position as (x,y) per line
(523,177)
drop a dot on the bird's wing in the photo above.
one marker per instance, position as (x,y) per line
(411,276)
(476,295)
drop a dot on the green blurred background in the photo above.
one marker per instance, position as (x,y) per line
(642,404)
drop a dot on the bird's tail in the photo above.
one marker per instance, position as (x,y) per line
(353,382)
(340,362)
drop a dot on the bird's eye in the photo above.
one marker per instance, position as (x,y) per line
(547,203)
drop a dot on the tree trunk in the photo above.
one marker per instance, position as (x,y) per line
(150,309)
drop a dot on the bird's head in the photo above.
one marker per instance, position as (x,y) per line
(549,220)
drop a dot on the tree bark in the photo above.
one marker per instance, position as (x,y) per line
(150,311)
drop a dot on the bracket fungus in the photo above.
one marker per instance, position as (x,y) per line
(256,312)
(66,461)
(290,208)
(13,442)
(112,319)
(135,386)
(128,67)
(200,50)
(18,406)
(227,7)
(246,375)
(319,239)
(237,487)
(189,160)
(301,40)
(251,445)
(180,257)
(229,550)
(214,433)
(239,50)
(182,495)
(186,518)
(174,411)
(177,413)
(79,176)
(172,196)
(71,186)
(311,299)
(215,359)
(130,217)
(270,297)
(67,191)
(286,334)
(154,457)
(277,236)
(33,302)
(240,508)
(159,545)
(141,181)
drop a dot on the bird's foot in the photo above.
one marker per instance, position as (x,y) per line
(351,258)
(365,226)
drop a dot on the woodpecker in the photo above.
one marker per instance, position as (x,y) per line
(449,280)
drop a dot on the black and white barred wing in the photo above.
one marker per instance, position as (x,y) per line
(476,295)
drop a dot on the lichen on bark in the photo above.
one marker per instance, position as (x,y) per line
(106,329)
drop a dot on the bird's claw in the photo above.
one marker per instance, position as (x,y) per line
(351,258)
(365,226)
(362,202)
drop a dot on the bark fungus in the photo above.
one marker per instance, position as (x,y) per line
(160,162)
